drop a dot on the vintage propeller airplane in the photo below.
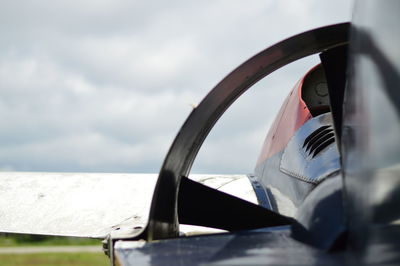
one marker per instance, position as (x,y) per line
(325,189)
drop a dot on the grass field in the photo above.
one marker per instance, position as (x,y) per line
(57,259)
(14,240)
(47,259)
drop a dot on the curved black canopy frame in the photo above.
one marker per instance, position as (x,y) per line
(163,219)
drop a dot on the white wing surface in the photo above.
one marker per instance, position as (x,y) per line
(88,204)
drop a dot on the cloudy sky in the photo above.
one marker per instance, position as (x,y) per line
(104,86)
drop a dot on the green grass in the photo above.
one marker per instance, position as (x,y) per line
(46,259)
(15,240)
(58,259)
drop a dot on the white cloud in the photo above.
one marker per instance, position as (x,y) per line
(105,85)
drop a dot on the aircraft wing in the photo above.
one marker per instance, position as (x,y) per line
(88,204)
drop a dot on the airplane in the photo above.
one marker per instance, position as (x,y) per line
(325,189)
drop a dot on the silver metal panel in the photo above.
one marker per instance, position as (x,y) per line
(298,163)
(73,204)
(84,204)
(236,185)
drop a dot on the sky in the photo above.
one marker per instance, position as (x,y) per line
(104,86)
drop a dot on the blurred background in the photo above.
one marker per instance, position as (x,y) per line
(104,86)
